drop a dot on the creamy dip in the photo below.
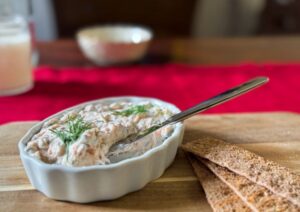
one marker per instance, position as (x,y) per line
(83,137)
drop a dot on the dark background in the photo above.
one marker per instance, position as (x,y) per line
(169,18)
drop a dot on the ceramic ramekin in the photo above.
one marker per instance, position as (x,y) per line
(100,182)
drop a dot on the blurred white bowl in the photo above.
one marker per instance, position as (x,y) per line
(110,44)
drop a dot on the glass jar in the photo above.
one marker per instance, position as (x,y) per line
(15,52)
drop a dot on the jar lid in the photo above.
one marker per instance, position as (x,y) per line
(12,24)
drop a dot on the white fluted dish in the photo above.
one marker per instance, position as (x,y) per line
(100,182)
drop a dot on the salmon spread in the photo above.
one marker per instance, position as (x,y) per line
(83,137)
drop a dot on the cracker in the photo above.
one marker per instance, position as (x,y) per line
(218,194)
(278,179)
(257,197)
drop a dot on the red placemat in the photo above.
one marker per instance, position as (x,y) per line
(56,89)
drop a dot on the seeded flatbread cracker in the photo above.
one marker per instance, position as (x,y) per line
(257,197)
(218,194)
(278,179)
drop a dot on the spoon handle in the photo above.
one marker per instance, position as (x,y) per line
(219,99)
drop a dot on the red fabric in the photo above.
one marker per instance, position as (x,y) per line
(56,89)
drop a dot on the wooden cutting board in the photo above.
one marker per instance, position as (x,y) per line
(275,136)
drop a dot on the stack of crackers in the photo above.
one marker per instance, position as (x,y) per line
(235,179)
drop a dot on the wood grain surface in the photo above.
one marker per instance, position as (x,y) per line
(275,136)
(207,51)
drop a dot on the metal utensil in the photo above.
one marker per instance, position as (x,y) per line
(212,102)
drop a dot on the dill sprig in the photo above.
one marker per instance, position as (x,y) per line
(75,127)
(132,110)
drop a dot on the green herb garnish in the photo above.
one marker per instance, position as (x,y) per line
(75,127)
(132,110)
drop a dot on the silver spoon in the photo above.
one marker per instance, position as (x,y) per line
(212,102)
